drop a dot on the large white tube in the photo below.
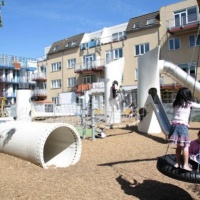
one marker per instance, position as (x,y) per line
(45,144)
(148,77)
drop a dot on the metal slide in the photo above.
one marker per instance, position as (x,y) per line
(180,76)
(176,73)
(160,112)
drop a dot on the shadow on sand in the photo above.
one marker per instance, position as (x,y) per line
(152,190)
(135,129)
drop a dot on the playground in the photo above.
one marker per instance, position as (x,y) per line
(120,166)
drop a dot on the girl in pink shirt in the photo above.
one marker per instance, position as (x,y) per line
(178,133)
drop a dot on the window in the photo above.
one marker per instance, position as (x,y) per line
(43,69)
(113,54)
(56,84)
(194,40)
(150,22)
(89,61)
(174,43)
(71,63)
(84,46)
(88,79)
(48,107)
(118,36)
(136,25)
(185,16)
(141,49)
(56,66)
(71,44)
(56,48)
(189,68)
(55,100)
(71,82)
(136,74)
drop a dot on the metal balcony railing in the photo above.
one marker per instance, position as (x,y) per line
(181,22)
(83,87)
(38,76)
(9,61)
(91,65)
(39,92)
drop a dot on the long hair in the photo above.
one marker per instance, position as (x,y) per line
(183,98)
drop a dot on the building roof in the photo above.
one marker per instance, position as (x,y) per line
(143,22)
(65,44)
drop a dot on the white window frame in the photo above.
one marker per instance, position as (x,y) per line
(142,49)
(71,82)
(182,17)
(56,66)
(174,44)
(56,84)
(136,25)
(56,48)
(118,36)
(150,21)
(71,63)
(114,54)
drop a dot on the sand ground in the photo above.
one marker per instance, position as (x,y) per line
(120,167)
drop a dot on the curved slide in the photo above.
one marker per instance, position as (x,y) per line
(155,118)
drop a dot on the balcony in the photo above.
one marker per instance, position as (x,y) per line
(83,87)
(183,24)
(9,80)
(39,94)
(93,87)
(97,65)
(39,77)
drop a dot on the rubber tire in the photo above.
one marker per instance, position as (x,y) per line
(165,165)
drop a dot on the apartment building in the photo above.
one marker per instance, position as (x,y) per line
(77,64)
(15,73)
(179,39)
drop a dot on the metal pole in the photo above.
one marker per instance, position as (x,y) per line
(93,119)
(83,117)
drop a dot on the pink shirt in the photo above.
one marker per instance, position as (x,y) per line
(181,115)
(194,147)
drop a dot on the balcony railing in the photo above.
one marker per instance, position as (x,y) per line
(39,92)
(91,65)
(185,22)
(9,80)
(38,77)
(83,87)
(88,86)
(10,62)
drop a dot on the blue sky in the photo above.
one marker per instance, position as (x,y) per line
(30,26)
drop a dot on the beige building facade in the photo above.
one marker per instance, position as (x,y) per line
(75,64)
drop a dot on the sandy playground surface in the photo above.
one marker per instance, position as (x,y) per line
(120,167)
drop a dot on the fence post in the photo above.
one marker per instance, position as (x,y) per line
(83,117)
(93,119)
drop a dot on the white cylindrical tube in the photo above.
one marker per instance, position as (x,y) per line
(23,105)
(45,144)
